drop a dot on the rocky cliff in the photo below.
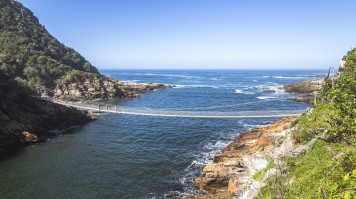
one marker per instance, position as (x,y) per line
(25,119)
(97,87)
(305,91)
(29,121)
(231,172)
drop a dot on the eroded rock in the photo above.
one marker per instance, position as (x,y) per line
(231,172)
(29,120)
(95,86)
(307,87)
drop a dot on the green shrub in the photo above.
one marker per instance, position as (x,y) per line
(28,51)
(328,169)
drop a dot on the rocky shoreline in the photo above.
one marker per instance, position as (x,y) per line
(93,86)
(25,119)
(306,90)
(230,175)
(28,121)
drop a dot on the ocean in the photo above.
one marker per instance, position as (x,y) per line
(132,156)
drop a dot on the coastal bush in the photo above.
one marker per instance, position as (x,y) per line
(28,51)
(316,123)
(344,102)
(341,97)
(328,169)
(12,89)
(334,116)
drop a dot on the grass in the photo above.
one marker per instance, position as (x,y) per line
(328,170)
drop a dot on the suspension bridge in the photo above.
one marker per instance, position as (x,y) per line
(182,113)
(185,112)
(99,108)
(177,113)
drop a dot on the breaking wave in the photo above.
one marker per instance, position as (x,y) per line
(238,91)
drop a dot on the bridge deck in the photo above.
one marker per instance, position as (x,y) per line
(115,110)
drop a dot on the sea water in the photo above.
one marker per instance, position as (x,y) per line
(130,156)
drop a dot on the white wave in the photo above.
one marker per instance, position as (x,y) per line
(172,75)
(270,86)
(265,97)
(199,86)
(205,156)
(285,76)
(201,159)
(288,77)
(210,150)
(251,126)
(238,91)
(215,79)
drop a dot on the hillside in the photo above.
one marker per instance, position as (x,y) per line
(34,63)
(29,52)
(329,129)
(326,167)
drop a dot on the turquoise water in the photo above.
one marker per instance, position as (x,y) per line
(123,156)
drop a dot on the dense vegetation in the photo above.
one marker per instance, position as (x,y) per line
(328,168)
(29,54)
(334,116)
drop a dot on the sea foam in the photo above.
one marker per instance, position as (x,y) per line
(238,91)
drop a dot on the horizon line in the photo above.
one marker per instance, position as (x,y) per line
(218,69)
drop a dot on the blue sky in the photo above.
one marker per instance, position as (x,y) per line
(202,34)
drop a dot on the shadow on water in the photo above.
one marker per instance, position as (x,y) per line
(15,151)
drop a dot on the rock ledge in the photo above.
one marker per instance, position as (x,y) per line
(230,174)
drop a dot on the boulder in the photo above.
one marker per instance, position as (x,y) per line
(27,137)
(307,87)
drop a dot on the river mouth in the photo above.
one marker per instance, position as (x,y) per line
(131,156)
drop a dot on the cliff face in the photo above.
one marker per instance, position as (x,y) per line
(94,87)
(25,120)
(29,121)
